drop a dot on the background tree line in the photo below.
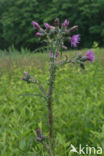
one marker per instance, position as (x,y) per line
(16,20)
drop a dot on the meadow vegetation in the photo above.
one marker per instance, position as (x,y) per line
(78,104)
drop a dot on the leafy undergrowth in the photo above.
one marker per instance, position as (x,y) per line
(78,107)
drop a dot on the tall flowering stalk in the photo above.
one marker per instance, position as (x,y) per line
(55,36)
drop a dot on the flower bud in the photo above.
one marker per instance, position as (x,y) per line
(38,131)
(64,47)
(57,22)
(66,23)
(26,76)
(79,55)
(35,25)
(57,54)
(40,137)
(47,26)
(23,78)
(72,29)
(37,34)
(26,73)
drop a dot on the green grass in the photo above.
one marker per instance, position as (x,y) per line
(78,104)
(11,58)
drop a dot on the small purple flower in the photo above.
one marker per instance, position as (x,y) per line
(66,23)
(38,131)
(35,25)
(75,40)
(37,34)
(48,26)
(57,54)
(90,56)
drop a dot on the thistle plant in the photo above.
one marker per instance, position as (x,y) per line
(55,37)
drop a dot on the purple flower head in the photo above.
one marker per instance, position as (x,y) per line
(38,131)
(57,54)
(75,40)
(90,56)
(35,25)
(48,26)
(37,34)
(66,23)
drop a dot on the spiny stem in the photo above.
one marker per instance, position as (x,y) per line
(50,110)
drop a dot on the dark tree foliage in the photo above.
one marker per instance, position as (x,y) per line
(16,20)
